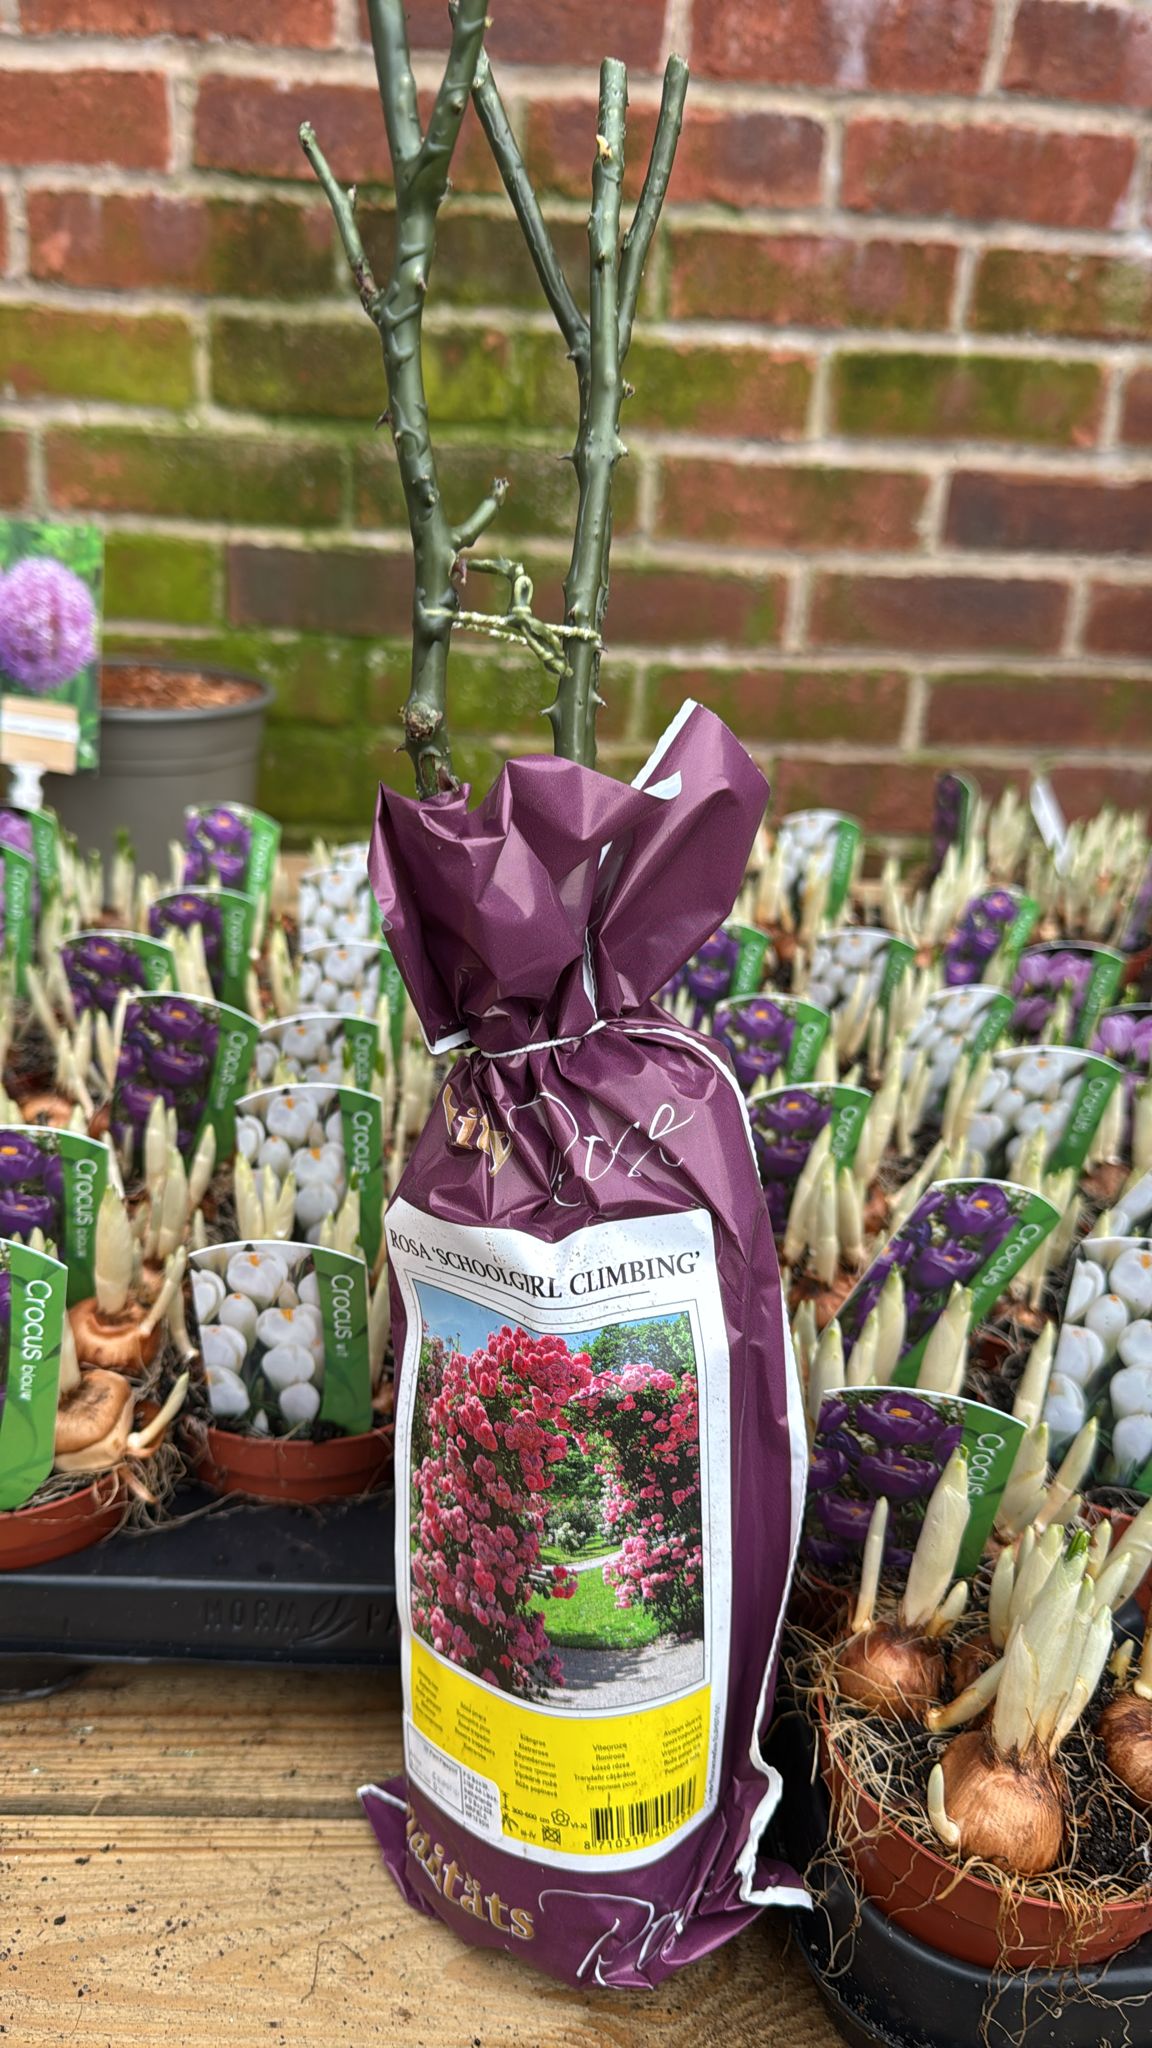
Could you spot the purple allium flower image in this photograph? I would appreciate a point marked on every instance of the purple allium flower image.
(98, 968)
(47, 624)
(218, 843)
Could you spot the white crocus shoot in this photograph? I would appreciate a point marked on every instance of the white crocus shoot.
(892, 1325)
(115, 1255)
(1027, 1485)
(1032, 1391)
(946, 1352)
(827, 1374)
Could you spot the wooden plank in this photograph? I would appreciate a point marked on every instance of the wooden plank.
(207, 1739)
(260, 1933)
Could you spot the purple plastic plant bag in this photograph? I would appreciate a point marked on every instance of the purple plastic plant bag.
(600, 1453)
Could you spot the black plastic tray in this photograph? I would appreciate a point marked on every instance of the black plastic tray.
(883, 1989)
(231, 1581)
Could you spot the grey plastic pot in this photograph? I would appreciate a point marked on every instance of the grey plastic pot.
(155, 762)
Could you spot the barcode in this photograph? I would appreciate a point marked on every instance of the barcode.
(642, 1819)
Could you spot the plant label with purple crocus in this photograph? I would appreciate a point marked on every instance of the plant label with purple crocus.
(282, 1331)
(17, 911)
(1073, 981)
(196, 1056)
(54, 1181)
(989, 937)
(857, 957)
(329, 1140)
(33, 1305)
(232, 846)
(227, 922)
(36, 833)
(771, 1038)
(954, 804)
(882, 1442)
(331, 1050)
(786, 1123)
(100, 965)
(50, 583)
(1056, 1089)
(820, 843)
(730, 963)
(970, 1233)
(956, 1024)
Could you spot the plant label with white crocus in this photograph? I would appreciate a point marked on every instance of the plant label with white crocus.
(33, 1303)
(1055, 1090)
(819, 848)
(54, 1181)
(956, 1254)
(1102, 1369)
(335, 906)
(282, 1330)
(311, 1156)
(333, 1051)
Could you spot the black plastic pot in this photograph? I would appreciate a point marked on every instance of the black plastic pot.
(155, 762)
(883, 1989)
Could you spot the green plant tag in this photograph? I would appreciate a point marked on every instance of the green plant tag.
(362, 1120)
(1085, 977)
(342, 1284)
(972, 1233)
(233, 846)
(43, 830)
(343, 1128)
(749, 969)
(362, 1049)
(100, 964)
(54, 1181)
(318, 1047)
(33, 1291)
(842, 956)
(392, 986)
(18, 923)
(1070, 1087)
(824, 842)
(227, 920)
(882, 1442)
(771, 1038)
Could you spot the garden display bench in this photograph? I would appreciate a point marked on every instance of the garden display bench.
(185, 1865)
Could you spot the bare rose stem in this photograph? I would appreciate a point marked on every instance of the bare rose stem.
(421, 163)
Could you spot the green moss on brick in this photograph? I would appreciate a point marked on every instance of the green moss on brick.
(1001, 398)
(149, 576)
(268, 250)
(238, 478)
(53, 352)
(694, 388)
(331, 369)
(1035, 291)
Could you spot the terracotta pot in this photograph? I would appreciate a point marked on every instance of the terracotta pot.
(283, 1468)
(957, 1913)
(37, 1535)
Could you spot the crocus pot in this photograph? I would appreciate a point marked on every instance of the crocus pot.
(58, 1528)
(287, 1469)
(155, 761)
(960, 1914)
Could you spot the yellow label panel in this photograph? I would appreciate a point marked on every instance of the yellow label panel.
(592, 1785)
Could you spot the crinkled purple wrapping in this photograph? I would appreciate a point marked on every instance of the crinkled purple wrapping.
(502, 920)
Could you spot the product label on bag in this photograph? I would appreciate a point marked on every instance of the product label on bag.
(562, 1444)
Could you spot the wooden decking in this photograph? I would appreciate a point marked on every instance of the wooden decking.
(183, 1865)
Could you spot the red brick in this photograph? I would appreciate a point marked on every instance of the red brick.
(789, 507)
(244, 481)
(1119, 619)
(336, 590)
(1081, 791)
(782, 704)
(726, 158)
(1064, 515)
(678, 608)
(888, 46)
(1137, 420)
(559, 33)
(809, 280)
(1068, 51)
(938, 613)
(306, 23)
(251, 126)
(13, 468)
(85, 117)
(269, 248)
(1042, 291)
(922, 169)
(887, 795)
(1048, 711)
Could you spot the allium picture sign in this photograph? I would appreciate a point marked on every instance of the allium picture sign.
(51, 578)
(974, 1234)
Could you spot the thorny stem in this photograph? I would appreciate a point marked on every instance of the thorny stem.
(598, 348)
(421, 164)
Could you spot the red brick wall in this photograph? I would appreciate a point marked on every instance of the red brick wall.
(889, 499)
